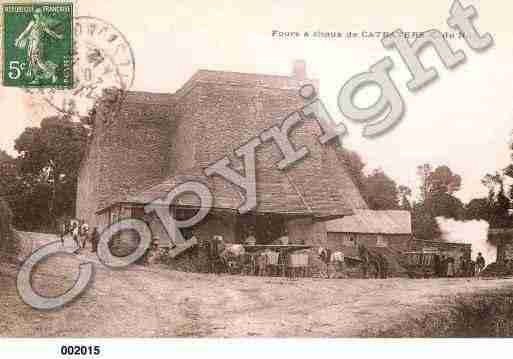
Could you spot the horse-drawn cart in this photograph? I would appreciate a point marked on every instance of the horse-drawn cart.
(419, 264)
(279, 259)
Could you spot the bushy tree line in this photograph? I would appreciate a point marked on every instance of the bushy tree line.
(40, 183)
(437, 195)
(377, 188)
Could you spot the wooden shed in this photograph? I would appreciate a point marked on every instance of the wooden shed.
(387, 229)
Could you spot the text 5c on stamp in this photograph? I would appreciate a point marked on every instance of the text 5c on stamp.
(38, 45)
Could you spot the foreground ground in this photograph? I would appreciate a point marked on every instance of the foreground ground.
(156, 302)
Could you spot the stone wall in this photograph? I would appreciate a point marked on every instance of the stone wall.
(126, 153)
(88, 182)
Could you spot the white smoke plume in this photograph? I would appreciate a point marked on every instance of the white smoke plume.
(474, 232)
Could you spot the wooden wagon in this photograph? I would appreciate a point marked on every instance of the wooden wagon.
(419, 264)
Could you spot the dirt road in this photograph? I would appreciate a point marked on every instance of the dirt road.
(157, 302)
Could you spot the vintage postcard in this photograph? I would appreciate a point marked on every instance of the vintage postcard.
(38, 45)
(254, 170)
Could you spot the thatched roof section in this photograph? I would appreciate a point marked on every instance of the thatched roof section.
(374, 222)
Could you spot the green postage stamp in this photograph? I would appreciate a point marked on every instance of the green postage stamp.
(38, 45)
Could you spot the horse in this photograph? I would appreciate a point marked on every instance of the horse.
(336, 259)
(83, 234)
(264, 261)
(214, 249)
(232, 257)
(261, 264)
(371, 264)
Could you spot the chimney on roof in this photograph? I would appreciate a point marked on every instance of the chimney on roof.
(299, 70)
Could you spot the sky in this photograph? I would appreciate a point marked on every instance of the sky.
(463, 120)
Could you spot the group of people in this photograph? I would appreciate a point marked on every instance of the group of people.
(80, 234)
(446, 266)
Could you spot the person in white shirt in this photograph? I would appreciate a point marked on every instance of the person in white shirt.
(84, 232)
(75, 232)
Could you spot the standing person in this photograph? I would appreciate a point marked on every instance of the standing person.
(216, 246)
(363, 253)
(443, 266)
(95, 238)
(480, 264)
(450, 267)
(384, 266)
(509, 266)
(84, 232)
(472, 268)
(436, 265)
(63, 230)
(325, 256)
(151, 254)
(463, 267)
(75, 231)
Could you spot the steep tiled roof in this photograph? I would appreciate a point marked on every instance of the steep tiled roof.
(368, 221)
(276, 193)
(216, 112)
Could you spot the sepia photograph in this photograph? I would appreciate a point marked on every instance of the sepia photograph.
(253, 171)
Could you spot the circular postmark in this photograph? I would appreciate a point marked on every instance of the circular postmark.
(102, 59)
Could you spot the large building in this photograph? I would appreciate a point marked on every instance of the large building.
(145, 144)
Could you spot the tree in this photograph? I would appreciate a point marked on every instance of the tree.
(380, 191)
(437, 188)
(8, 174)
(404, 197)
(439, 180)
(48, 163)
(443, 180)
(442, 204)
(478, 208)
(436, 200)
(424, 223)
(499, 203)
(424, 171)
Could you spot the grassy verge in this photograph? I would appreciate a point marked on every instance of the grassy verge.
(487, 314)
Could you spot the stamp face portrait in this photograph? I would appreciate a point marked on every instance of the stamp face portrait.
(38, 45)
